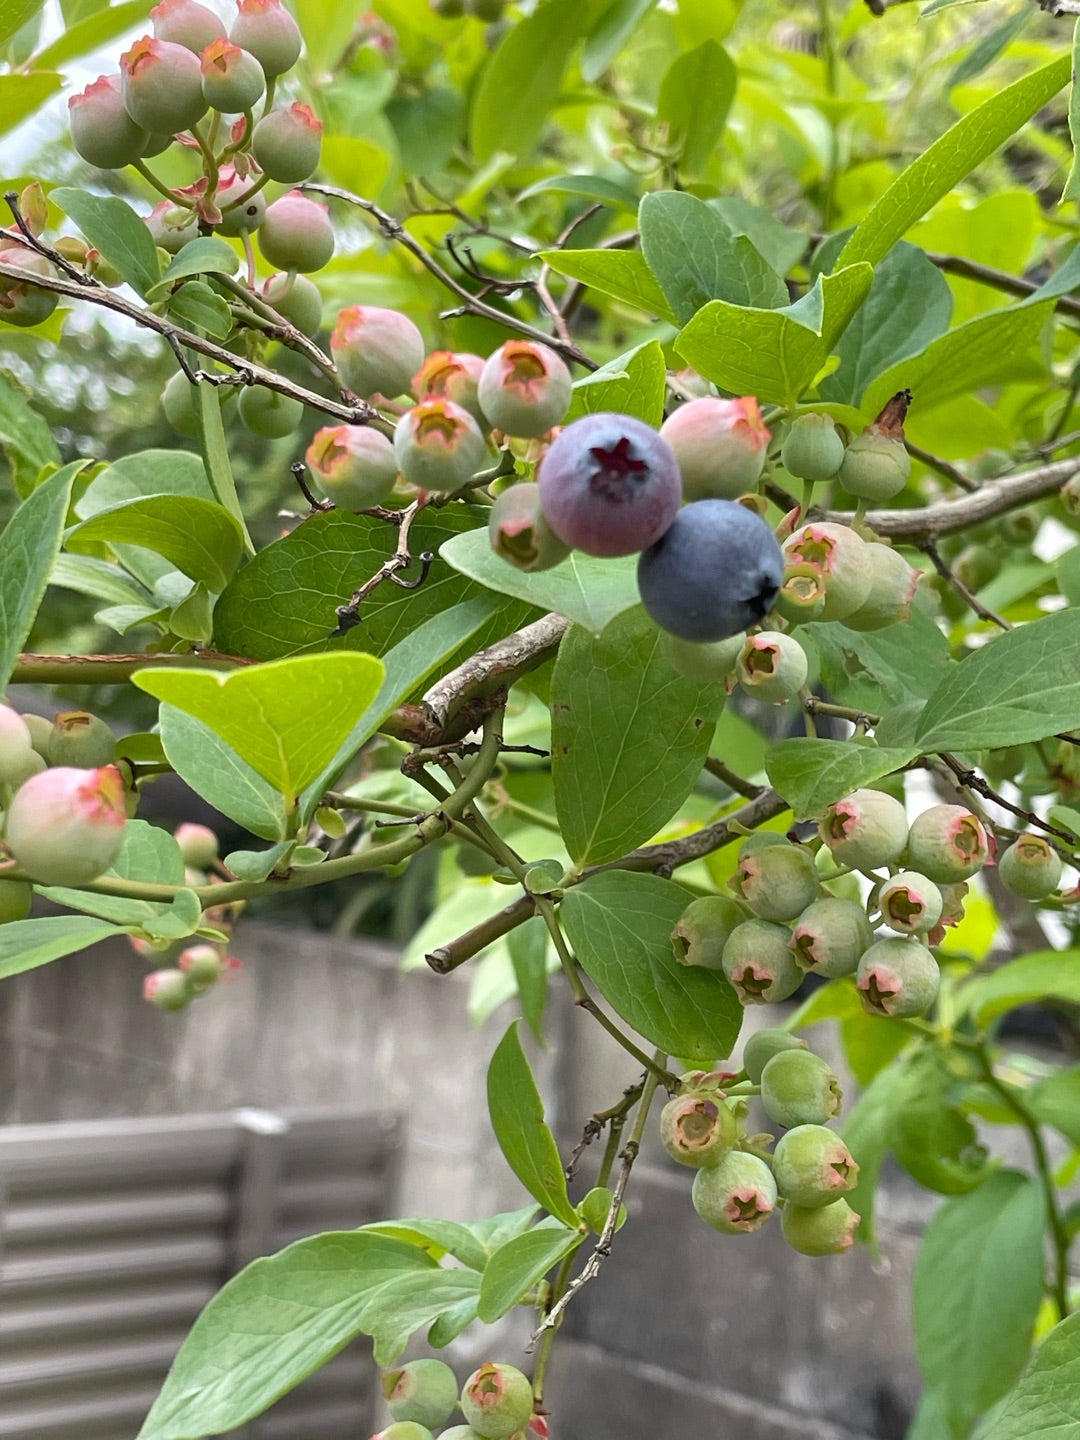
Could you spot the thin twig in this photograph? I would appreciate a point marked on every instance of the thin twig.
(349, 613)
(930, 549)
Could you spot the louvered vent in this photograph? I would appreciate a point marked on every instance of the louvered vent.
(114, 1234)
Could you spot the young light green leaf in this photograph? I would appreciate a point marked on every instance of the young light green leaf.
(632, 384)
(14, 14)
(1045, 1405)
(286, 719)
(207, 255)
(811, 774)
(517, 1117)
(695, 97)
(1022, 685)
(113, 227)
(1042, 975)
(99, 579)
(215, 454)
(199, 537)
(780, 246)
(622, 274)
(586, 187)
(147, 472)
(528, 945)
(620, 925)
(438, 1238)
(951, 157)
(529, 65)
(215, 771)
(519, 1265)
(616, 24)
(628, 736)
(22, 95)
(90, 34)
(28, 548)
(26, 944)
(978, 1249)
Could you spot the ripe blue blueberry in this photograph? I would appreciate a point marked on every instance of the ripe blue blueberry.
(715, 572)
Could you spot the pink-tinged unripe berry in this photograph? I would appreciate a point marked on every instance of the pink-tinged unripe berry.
(168, 989)
(799, 1088)
(520, 533)
(772, 667)
(352, 465)
(296, 233)
(198, 844)
(376, 351)
(813, 1166)
(524, 389)
(697, 1130)
(454, 374)
(898, 978)
(763, 1045)
(287, 143)
(31, 765)
(703, 929)
(829, 937)
(778, 882)
(610, 486)
(186, 23)
(813, 449)
(910, 903)
(802, 595)
(21, 302)
(827, 1231)
(736, 1196)
(876, 464)
(423, 1391)
(162, 85)
(439, 445)
(65, 826)
(16, 897)
(204, 966)
(40, 732)
(242, 207)
(893, 583)
(866, 829)
(80, 739)
(947, 843)
(720, 446)
(102, 131)
(842, 561)
(271, 34)
(1030, 867)
(297, 300)
(232, 79)
(171, 226)
(267, 413)
(497, 1401)
(16, 744)
(714, 661)
(758, 963)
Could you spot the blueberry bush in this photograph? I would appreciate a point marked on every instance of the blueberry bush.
(626, 449)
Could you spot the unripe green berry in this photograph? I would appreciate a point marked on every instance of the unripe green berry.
(910, 903)
(497, 1401)
(65, 826)
(520, 533)
(455, 375)
(758, 963)
(813, 1166)
(778, 883)
(524, 389)
(15, 900)
(242, 207)
(296, 233)
(460, 1432)
(827, 1231)
(829, 937)
(171, 226)
(204, 965)
(947, 843)
(297, 300)
(976, 566)
(424, 1391)
(799, 1088)
(802, 595)
(812, 449)
(439, 446)
(23, 303)
(178, 403)
(232, 80)
(703, 929)
(376, 351)
(266, 412)
(713, 660)
(763, 1045)
(161, 83)
(697, 1130)
(875, 466)
(772, 667)
(353, 465)
(102, 131)
(898, 978)
(16, 745)
(198, 845)
(893, 583)
(168, 989)
(30, 765)
(720, 446)
(40, 732)
(81, 739)
(842, 561)
(404, 1430)
(1030, 867)
(736, 1196)
(865, 829)
(187, 23)
(287, 143)
(271, 34)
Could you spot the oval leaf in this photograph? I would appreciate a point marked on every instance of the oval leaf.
(199, 537)
(517, 1117)
(519, 1265)
(811, 774)
(30, 544)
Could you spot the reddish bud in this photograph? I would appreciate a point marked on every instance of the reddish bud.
(353, 465)
(720, 446)
(65, 826)
(162, 85)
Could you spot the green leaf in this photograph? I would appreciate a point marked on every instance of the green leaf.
(89, 34)
(215, 453)
(148, 854)
(628, 736)
(616, 25)
(199, 308)
(588, 591)
(867, 1130)
(954, 155)
(97, 578)
(585, 187)
(620, 925)
(25, 437)
(631, 384)
(28, 549)
(988, 48)
(215, 771)
(871, 1042)
(622, 274)
(696, 258)
(932, 1138)
(899, 664)
(286, 718)
(519, 1265)
(207, 255)
(148, 472)
(1045, 1405)
(284, 600)
(1022, 685)
(22, 95)
(978, 1287)
(285, 1315)
(992, 349)
(113, 227)
(438, 1238)
(1072, 182)
(1056, 1101)
(528, 66)
(908, 306)
(14, 14)
(811, 774)
(780, 246)
(26, 944)
(1042, 975)
(517, 1117)
(773, 354)
(199, 537)
(695, 97)
(528, 947)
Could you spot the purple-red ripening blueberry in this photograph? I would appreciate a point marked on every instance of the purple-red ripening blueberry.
(609, 485)
(376, 351)
(269, 32)
(102, 131)
(162, 86)
(231, 78)
(716, 571)
(524, 389)
(286, 143)
(186, 23)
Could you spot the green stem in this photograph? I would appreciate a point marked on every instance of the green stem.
(160, 186)
(543, 1354)
(209, 160)
(526, 812)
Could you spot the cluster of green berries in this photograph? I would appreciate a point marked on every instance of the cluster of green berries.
(496, 1401)
(873, 466)
(739, 1181)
